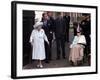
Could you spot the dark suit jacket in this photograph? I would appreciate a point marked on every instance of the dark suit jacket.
(86, 27)
(60, 27)
(48, 29)
(67, 21)
(52, 22)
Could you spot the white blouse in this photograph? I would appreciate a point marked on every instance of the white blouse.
(78, 39)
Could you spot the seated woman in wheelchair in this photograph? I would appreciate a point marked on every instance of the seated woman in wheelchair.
(76, 48)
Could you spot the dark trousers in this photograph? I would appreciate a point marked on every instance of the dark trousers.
(60, 43)
(67, 35)
(48, 50)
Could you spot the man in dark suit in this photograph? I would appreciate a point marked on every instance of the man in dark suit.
(52, 27)
(47, 26)
(52, 21)
(60, 30)
(86, 27)
(67, 22)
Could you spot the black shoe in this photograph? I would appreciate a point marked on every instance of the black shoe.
(71, 63)
(47, 61)
(64, 57)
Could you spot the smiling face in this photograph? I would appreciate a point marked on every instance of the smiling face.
(39, 28)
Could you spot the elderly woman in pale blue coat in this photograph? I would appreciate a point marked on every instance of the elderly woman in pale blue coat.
(37, 40)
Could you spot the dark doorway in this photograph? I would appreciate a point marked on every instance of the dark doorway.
(28, 22)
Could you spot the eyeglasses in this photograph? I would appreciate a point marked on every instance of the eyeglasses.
(78, 32)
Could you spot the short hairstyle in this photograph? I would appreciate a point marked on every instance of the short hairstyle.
(43, 14)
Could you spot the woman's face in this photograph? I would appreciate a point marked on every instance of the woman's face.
(39, 27)
(78, 34)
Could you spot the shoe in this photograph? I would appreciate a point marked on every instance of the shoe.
(47, 62)
(38, 66)
(71, 63)
(41, 66)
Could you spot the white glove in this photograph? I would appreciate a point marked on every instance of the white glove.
(48, 42)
